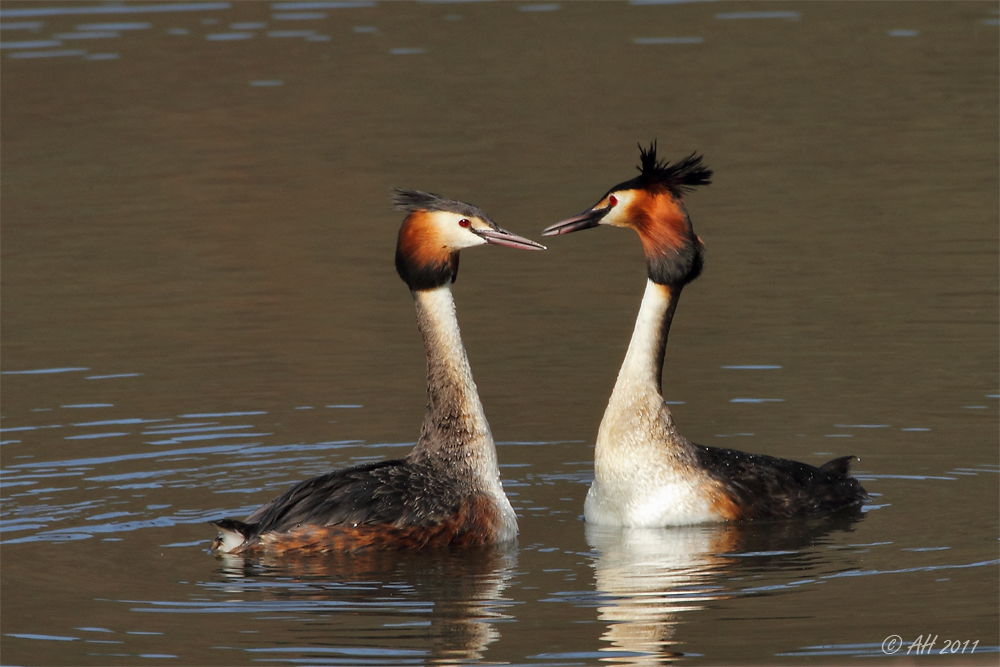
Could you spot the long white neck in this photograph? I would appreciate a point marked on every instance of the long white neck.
(646, 474)
(455, 425)
(643, 365)
(636, 417)
(642, 369)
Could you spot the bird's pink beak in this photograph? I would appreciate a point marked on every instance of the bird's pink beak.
(586, 220)
(503, 237)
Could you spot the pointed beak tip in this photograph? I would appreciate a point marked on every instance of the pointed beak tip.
(560, 228)
(502, 237)
(533, 246)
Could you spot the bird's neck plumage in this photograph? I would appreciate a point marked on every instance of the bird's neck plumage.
(455, 426)
(636, 417)
(646, 474)
(643, 365)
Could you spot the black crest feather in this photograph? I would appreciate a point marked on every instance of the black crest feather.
(679, 177)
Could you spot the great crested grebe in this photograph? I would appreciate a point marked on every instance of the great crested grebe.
(447, 491)
(646, 474)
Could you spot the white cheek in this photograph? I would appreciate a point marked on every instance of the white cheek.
(458, 237)
(612, 218)
(452, 234)
(617, 216)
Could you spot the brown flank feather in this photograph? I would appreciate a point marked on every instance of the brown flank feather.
(475, 524)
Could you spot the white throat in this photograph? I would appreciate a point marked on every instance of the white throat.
(636, 417)
(644, 360)
(643, 468)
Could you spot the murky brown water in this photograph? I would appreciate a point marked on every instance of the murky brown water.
(197, 242)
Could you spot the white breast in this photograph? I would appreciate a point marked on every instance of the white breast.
(648, 503)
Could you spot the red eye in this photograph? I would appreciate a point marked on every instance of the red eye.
(612, 200)
(464, 222)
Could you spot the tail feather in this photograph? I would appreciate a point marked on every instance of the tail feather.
(844, 489)
(839, 467)
(232, 535)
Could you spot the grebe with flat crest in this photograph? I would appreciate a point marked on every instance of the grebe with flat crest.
(447, 491)
(646, 474)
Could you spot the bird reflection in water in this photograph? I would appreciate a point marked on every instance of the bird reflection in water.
(446, 602)
(652, 576)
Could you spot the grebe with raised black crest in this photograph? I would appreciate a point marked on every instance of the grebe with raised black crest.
(646, 474)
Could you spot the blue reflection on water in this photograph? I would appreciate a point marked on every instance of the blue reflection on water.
(228, 36)
(114, 9)
(298, 16)
(36, 44)
(21, 25)
(42, 371)
(319, 4)
(114, 26)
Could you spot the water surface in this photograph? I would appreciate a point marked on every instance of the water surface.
(200, 308)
